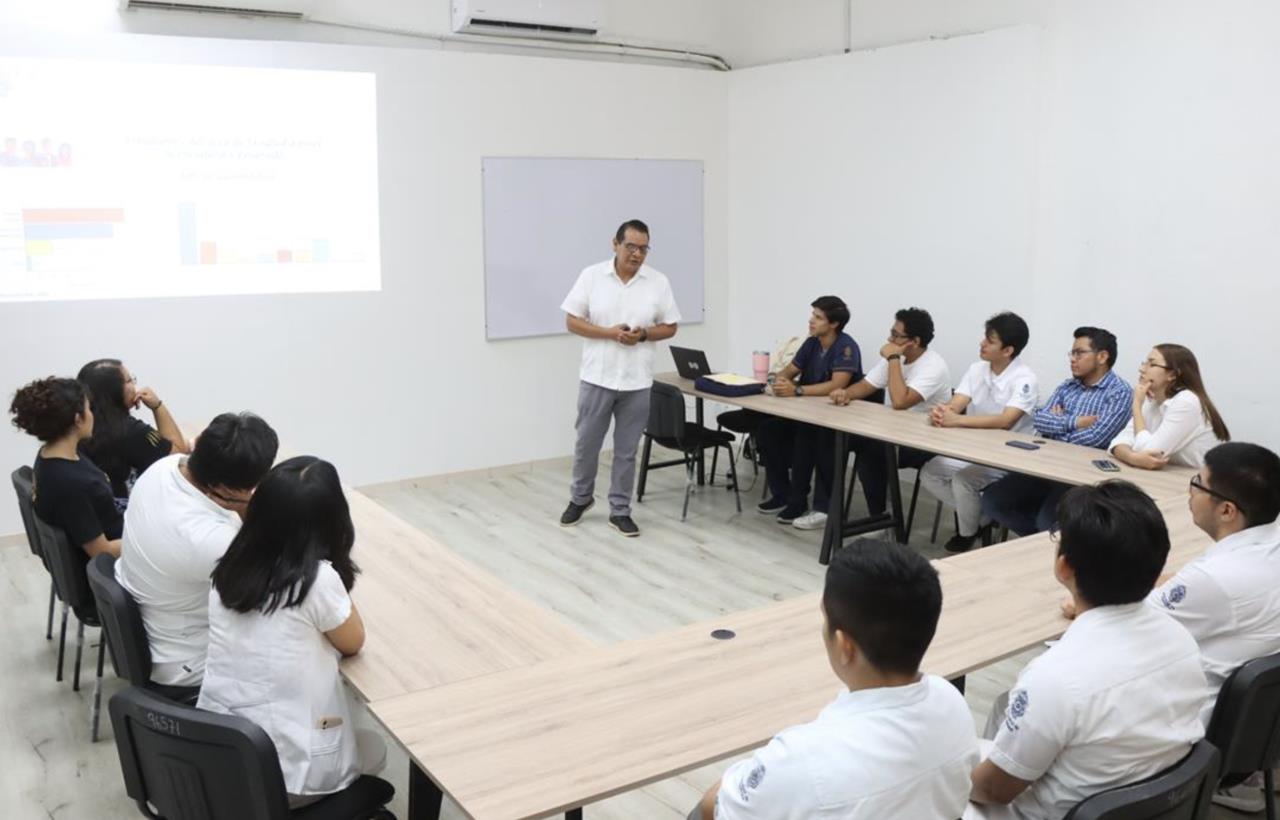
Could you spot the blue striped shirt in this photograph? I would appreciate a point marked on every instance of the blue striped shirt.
(1111, 400)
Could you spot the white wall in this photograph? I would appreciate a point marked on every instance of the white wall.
(401, 382)
(1119, 170)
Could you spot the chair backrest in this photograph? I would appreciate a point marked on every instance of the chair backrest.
(666, 412)
(1246, 719)
(23, 484)
(191, 764)
(66, 562)
(122, 620)
(1181, 792)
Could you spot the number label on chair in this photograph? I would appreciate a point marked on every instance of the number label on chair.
(163, 723)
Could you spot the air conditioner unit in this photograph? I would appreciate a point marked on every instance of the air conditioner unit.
(279, 9)
(527, 18)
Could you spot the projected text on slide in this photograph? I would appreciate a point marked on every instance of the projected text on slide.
(125, 180)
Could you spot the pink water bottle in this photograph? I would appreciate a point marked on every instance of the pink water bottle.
(760, 364)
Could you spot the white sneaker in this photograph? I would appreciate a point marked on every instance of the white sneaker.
(811, 521)
(1241, 797)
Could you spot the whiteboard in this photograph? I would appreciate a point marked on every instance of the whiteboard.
(545, 219)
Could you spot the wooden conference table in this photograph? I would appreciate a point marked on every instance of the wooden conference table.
(1053, 460)
(551, 736)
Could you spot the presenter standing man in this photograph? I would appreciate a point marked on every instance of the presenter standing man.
(620, 307)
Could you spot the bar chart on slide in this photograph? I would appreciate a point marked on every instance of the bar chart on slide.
(220, 180)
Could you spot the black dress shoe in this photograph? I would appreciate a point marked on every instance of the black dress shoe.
(624, 525)
(573, 513)
(960, 543)
(771, 506)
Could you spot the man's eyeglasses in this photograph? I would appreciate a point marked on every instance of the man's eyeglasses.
(1197, 484)
(895, 336)
(643, 250)
(1077, 353)
(227, 499)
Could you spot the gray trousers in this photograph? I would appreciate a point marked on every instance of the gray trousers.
(629, 411)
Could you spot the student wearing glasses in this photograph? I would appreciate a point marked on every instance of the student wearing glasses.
(1227, 597)
(183, 513)
(620, 307)
(1089, 409)
(124, 446)
(1174, 422)
(913, 378)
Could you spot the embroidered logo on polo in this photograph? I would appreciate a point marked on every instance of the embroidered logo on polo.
(1026, 389)
(848, 352)
(753, 781)
(1174, 596)
(1017, 708)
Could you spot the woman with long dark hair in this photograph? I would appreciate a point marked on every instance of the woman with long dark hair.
(1174, 421)
(70, 491)
(280, 616)
(122, 445)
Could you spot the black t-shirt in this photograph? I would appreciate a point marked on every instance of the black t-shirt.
(76, 496)
(139, 446)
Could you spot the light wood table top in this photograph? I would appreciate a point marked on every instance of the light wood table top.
(432, 617)
(548, 737)
(1055, 460)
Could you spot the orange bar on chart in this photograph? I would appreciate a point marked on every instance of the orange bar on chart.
(47, 215)
(208, 253)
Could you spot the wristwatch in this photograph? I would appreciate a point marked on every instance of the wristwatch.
(644, 334)
(893, 356)
(799, 389)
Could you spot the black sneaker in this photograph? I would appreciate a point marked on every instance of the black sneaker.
(960, 543)
(574, 512)
(771, 506)
(790, 514)
(624, 525)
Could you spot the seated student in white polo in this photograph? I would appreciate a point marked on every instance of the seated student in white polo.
(1118, 698)
(1174, 421)
(914, 378)
(1227, 598)
(183, 513)
(997, 392)
(897, 743)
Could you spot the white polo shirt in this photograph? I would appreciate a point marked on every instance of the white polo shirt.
(281, 672)
(901, 751)
(173, 536)
(990, 394)
(928, 375)
(1115, 700)
(601, 298)
(1176, 427)
(1229, 600)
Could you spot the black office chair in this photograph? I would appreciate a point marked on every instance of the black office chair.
(22, 486)
(182, 763)
(125, 632)
(744, 423)
(67, 565)
(1181, 792)
(1246, 723)
(668, 427)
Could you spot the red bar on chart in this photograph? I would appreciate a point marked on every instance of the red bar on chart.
(284, 256)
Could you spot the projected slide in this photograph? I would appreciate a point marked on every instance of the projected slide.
(126, 180)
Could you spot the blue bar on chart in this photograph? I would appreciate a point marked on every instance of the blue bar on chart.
(320, 250)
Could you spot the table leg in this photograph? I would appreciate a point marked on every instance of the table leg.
(425, 796)
(573, 814)
(702, 459)
(895, 494)
(833, 534)
(958, 683)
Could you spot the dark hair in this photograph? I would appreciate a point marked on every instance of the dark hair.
(917, 324)
(1249, 475)
(234, 451)
(47, 408)
(104, 379)
(633, 224)
(1115, 539)
(834, 308)
(1101, 339)
(886, 598)
(297, 518)
(1185, 369)
(1010, 329)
